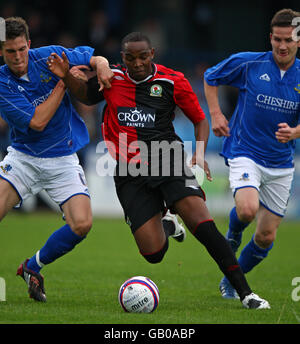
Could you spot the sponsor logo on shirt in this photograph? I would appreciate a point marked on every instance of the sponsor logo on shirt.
(277, 104)
(41, 99)
(265, 77)
(141, 117)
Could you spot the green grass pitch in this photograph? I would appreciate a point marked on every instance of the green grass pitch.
(82, 286)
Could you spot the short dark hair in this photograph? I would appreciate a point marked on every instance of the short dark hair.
(15, 27)
(135, 37)
(284, 18)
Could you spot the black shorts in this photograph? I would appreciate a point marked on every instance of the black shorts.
(143, 197)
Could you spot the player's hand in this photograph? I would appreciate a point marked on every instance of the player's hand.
(285, 133)
(207, 171)
(203, 164)
(219, 125)
(105, 76)
(78, 72)
(104, 73)
(61, 86)
(58, 65)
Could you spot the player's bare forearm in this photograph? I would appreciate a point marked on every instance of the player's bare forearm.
(98, 62)
(297, 132)
(104, 73)
(201, 135)
(45, 111)
(202, 132)
(211, 94)
(77, 87)
(219, 122)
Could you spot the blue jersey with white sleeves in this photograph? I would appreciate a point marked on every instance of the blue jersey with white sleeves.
(265, 99)
(66, 132)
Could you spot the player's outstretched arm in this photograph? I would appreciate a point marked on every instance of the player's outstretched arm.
(218, 120)
(201, 136)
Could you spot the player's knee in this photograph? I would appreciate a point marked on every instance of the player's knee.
(82, 227)
(264, 240)
(158, 256)
(246, 213)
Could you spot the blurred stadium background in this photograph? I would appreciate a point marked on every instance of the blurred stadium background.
(189, 35)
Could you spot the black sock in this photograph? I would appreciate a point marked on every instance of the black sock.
(219, 249)
(158, 256)
(169, 227)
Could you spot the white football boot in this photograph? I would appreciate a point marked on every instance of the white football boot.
(253, 301)
(179, 233)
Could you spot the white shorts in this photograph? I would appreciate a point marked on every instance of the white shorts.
(273, 184)
(60, 177)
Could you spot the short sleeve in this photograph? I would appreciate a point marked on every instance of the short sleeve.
(231, 71)
(186, 99)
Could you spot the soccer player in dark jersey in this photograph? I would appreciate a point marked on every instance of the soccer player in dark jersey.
(139, 112)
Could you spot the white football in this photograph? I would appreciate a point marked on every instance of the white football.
(139, 295)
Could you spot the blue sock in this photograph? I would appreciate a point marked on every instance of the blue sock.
(59, 243)
(235, 224)
(252, 255)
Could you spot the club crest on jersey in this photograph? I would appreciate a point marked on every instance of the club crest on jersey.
(156, 90)
(45, 78)
(6, 168)
(297, 89)
(245, 176)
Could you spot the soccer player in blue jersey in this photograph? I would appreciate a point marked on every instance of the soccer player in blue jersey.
(46, 132)
(259, 139)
